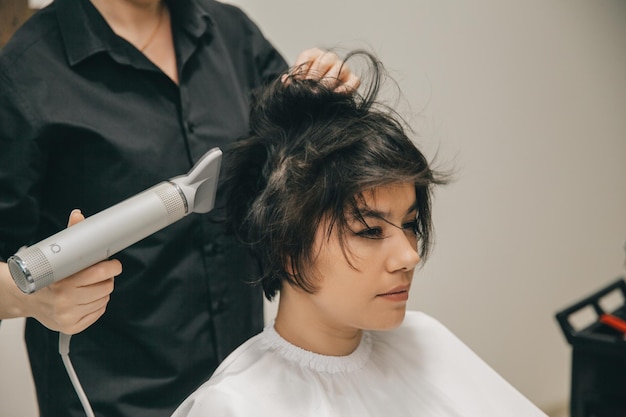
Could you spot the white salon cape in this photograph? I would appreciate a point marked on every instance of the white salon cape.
(419, 369)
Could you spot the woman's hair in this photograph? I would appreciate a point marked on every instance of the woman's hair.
(310, 155)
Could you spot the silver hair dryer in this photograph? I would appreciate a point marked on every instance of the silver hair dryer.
(99, 236)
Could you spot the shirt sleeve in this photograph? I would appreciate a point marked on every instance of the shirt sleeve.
(21, 163)
(267, 62)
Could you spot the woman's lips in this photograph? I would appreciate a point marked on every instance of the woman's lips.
(398, 294)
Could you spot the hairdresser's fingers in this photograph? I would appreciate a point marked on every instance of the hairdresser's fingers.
(318, 64)
(331, 77)
(349, 84)
(73, 316)
(321, 65)
(341, 78)
(85, 315)
(348, 80)
(93, 274)
(60, 308)
(86, 295)
(303, 63)
(305, 59)
(75, 217)
(314, 63)
(88, 318)
(64, 303)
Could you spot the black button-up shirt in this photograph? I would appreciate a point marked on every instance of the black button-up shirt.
(86, 120)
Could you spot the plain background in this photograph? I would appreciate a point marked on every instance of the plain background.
(526, 101)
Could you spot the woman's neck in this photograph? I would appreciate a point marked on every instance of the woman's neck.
(132, 20)
(296, 323)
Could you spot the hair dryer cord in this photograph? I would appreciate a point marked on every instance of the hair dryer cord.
(64, 351)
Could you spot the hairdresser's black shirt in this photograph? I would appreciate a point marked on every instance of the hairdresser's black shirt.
(86, 121)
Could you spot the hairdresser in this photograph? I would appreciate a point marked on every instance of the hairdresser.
(100, 100)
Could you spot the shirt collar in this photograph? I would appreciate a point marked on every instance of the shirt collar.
(191, 16)
(86, 33)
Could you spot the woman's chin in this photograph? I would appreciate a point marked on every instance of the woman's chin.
(389, 320)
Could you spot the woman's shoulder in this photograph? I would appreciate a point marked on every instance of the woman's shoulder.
(248, 354)
(230, 382)
(445, 361)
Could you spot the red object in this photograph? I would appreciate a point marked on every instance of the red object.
(614, 321)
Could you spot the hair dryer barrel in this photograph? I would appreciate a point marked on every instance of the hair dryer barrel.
(99, 236)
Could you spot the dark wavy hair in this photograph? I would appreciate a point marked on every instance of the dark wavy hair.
(310, 155)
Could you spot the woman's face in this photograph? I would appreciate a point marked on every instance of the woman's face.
(373, 292)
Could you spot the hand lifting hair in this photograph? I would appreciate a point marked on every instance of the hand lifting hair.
(333, 198)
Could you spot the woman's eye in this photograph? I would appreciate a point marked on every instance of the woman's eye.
(371, 233)
(412, 227)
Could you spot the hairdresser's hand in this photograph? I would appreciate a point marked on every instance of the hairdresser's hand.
(76, 302)
(326, 66)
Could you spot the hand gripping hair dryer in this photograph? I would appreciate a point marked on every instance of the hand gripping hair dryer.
(111, 230)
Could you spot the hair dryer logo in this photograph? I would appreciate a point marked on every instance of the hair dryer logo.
(55, 248)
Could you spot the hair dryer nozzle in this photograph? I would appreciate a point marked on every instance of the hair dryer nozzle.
(200, 184)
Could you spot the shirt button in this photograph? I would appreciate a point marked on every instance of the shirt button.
(214, 249)
(219, 306)
(190, 127)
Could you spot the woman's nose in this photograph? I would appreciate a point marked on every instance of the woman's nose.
(403, 254)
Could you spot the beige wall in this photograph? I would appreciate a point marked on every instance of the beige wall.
(527, 100)
(17, 393)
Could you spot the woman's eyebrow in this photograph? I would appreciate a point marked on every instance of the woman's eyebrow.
(383, 215)
(413, 207)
